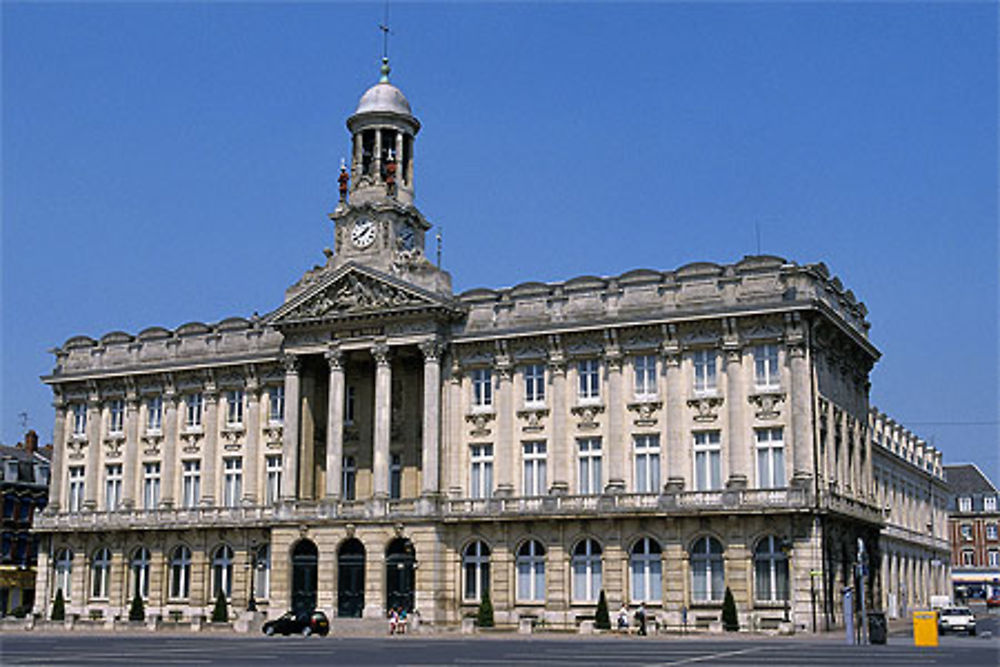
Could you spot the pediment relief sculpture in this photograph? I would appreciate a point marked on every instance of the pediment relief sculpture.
(354, 293)
(766, 404)
(706, 408)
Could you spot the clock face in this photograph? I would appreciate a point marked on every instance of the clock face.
(407, 237)
(363, 233)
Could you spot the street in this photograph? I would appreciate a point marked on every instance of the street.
(160, 649)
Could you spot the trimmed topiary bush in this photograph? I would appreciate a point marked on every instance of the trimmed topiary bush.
(58, 607)
(221, 612)
(137, 612)
(484, 617)
(602, 620)
(730, 621)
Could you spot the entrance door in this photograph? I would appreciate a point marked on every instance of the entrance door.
(351, 579)
(399, 580)
(304, 560)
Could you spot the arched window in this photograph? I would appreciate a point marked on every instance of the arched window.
(707, 573)
(262, 571)
(646, 566)
(531, 572)
(100, 573)
(180, 572)
(222, 571)
(139, 566)
(476, 566)
(770, 568)
(586, 571)
(64, 570)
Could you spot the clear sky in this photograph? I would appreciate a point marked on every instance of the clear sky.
(164, 163)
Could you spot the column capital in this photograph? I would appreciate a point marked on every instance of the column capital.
(292, 364)
(431, 349)
(334, 357)
(614, 358)
(380, 351)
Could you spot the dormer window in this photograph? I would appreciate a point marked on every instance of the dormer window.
(989, 503)
(965, 504)
(10, 470)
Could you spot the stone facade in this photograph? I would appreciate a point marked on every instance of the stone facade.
(378, 440)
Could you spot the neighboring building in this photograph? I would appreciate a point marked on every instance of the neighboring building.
(911, 489)
(973, 524)
(378, 441)
(24, 490)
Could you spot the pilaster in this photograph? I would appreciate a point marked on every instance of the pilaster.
(290, 430)
(335, 422)
(736, 437)
(617, 446)
(560, 458)
(210, 456)
(169, 447)
(431, 443)
(505, 455)
(251, 457)
(383, 413)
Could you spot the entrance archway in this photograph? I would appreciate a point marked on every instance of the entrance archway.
(304, 562)
(351, 579)
(399, 574)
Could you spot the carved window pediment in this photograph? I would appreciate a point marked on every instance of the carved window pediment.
(706, 408)
(532, 418)
(647, 412)
(766, 404)
(588, 416)
(480, 421)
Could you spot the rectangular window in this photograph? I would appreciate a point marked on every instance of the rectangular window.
(765, 367)
(273, 491)
(991, 531)
(589, 372)
(151, 486)
(534, 459)
(112, 486)
(704, 372)
(770, 458)
(192, 484)
(994, 558)
(534, 384)
(647, 463)
(707, 461)
(79, 419)
(589, 478)
(234, 408)
(349, 472)
(116, 416)
(989, 503)
(482, 388)
(76, 477)
(968, 557)
(395, 476)
(232, 481)
(481, 471)
(276, 404)
(965, 504)
(966, 531)
(645, 376)
(194, 403)
(154, 415)
(349, 399)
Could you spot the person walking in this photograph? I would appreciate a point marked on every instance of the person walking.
(641, 617)
(623, 618)
(393, 621)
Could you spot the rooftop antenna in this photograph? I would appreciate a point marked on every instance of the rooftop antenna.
(23, 418)
(438, 237)
(384, 27)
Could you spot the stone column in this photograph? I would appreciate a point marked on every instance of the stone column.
(617, 446)
(377, 157)
(505, 455)
(675, 444)
(334, 422)
(383, 410)
(169, 482)
(561, 459)
(736, 437)
(210, 455)
(431, 445)
(455, 422)
(58, 465)
(251, 463)
(290, 430)
(132, 468)
(802, 445)
(93, 447)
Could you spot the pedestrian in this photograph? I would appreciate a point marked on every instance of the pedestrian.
(393, 621)
(623, 618)
(641, 617)
(401, 626)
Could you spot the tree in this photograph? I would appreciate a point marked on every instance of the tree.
(137, 612)
(602, 620)
(58, 607)
(730, 621)
(484, 618)
(221, 612)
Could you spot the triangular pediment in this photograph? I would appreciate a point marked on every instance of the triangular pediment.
(354, 291)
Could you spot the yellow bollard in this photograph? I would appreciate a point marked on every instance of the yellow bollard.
(925, 628)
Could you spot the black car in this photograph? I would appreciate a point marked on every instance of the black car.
(304, 623)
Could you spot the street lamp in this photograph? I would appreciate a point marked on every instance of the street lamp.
(786, 550)
(253, 565)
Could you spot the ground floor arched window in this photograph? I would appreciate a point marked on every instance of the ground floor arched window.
(64, 571)
(180, 572)
(707, 570)
(139, 566)
(646, 569)
(222, 571)
(770, 568)
(530, 566)
(262, 571)
(100, 573)
(476, 571)
(587, 571)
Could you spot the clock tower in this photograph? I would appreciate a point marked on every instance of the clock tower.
(375, 222)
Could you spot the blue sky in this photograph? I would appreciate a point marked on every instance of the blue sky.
(164, 163)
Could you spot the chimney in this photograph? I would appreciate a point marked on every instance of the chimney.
(31, 441)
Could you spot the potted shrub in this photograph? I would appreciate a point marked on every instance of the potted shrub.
(58, 607)
(137, 612)
(220, 614)
(602, 620)
(484, 617)
(730, 621)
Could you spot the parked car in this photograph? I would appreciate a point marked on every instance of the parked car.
(993, 601)
(304, 623)
(957, 619)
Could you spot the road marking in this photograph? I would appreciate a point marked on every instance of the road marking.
(711, 656)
